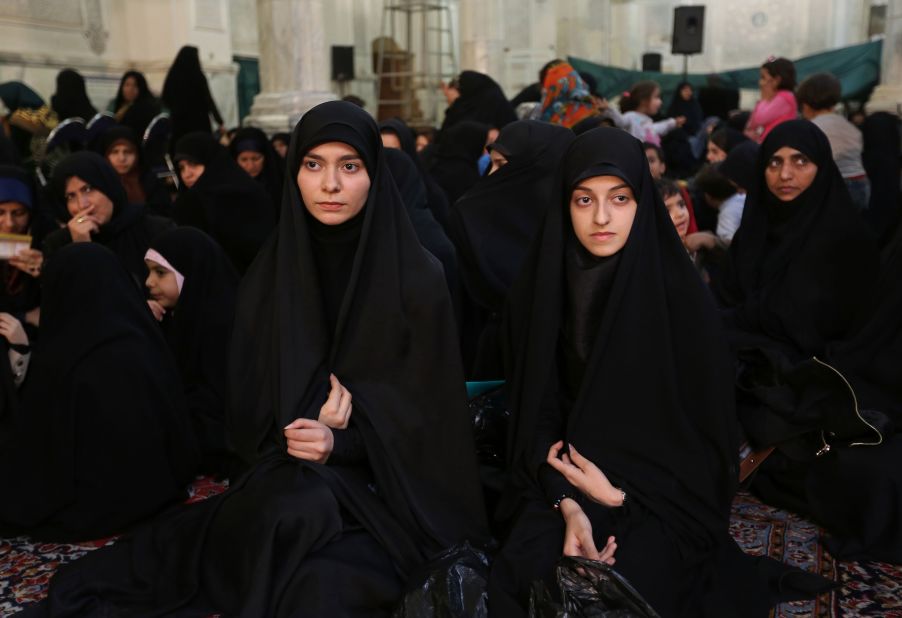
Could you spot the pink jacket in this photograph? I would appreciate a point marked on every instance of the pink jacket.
(768, 114)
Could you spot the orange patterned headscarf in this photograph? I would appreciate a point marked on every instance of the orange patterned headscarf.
(565, 96)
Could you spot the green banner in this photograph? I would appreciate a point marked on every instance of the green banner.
(857, 67)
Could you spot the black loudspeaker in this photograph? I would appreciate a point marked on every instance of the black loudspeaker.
(342, 63)
(688, 29)
(651, 62)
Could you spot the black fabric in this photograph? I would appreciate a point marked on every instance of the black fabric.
(691, 109)
(129, 231)
(71, 99)
(654, 409)
(454, 164)
(739, 166)
(103, 407)
(587, 124)
(882, 159)
(530, 94)
(494, 224)
(186, 94)
(481, 100)
(225, 202)
(198, 332)
(157, 199)
(137, 114)
(271, 177)
(413, 192)
(436, 199)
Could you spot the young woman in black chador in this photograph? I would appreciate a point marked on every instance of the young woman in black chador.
(344, 499)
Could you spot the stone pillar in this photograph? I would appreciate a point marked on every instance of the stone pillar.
(482, 37)
(887, 97)
(294, 62)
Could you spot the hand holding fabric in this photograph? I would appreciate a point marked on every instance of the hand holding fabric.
(29, 261)
(157, 310)
(578, 540)
(584, 475)
(336, 412)
(11, 328)
(309, 440)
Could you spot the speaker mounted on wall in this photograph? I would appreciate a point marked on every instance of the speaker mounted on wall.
(342, 63)
(688, 30)
(651, 62)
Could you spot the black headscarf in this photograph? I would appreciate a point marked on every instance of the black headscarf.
(739, 166)
(137, 114)
(271, 176)
(798, 270)
(140, 179)
(454, 164)
(129, 231)
(654, 407)
(393, 347)
(225, 202)
(198, 331)
(71, 99)
(481, 100)
(882, 158)
(727, 138)
(102, 404)
(186, 94)
(691, 109)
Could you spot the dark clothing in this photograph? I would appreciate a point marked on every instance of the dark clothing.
(186, 94)
(454, 165)
(292, 537)
(272, 176)
(882, 160)
(481, 100)
(71, 99)
(101, 404)
(691, 109)
(141, 184)
(137, 114)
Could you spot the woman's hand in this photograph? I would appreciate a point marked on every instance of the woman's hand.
(336, 412)
(700, 240)
(157, 309)
(578, 540)
(29, 261)
(82, 225)
(584, 475)
(309, 440)
(11, 328)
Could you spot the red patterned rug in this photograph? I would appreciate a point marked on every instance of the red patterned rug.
(867, 588)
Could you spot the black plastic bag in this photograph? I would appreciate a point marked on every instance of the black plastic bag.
(453, 585)
(589, 589)
(490, 416)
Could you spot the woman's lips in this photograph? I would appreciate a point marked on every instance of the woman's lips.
(330, 205)
(602, 236)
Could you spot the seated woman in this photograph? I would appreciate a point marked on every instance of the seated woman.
(134, 105)
(494, 224)
(121, 147)
(624, 439)
(20, 292)
(220, 199)
(803, 271)
(101, 404)
(254, 153)
(97, 210)
(345, 499)
(192, 287)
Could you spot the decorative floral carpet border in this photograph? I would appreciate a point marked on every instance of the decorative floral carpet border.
(867, 588)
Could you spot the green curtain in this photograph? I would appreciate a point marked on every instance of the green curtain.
(857, 67)
(248, 84)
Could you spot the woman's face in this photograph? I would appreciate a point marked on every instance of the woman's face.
(602, 209)
(122, 157)
(281, 147)
(789, 173)
(422, 142)
(498, 161)
(130, 89)
(14, 218)
(390, 140)
(678, 212)
(686, 92)
(190, 172)
(715, 154)
(333, 182)
(82, 199)
(768, 83)
(251, 162)
(161, 284)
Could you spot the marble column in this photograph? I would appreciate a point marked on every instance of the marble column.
(294, 62)
(887, 97)
(482, 37)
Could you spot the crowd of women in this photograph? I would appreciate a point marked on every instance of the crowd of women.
(676, 305)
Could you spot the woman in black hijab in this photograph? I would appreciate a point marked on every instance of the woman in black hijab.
(480, 99)
(617, 353)
(396, 134)
(685, 104)
(255, 155)
(192, 287)
(71, 99)
(455, 159)
(221, 199)
(20, 291)
(95, 206)
(494, 224)
(186, 94)
(121, 147)
(134, 105)
(102, 406)
(342, 301)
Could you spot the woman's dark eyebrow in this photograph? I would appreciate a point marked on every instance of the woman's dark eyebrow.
(347, 157)
(618, 187)
(582, 188)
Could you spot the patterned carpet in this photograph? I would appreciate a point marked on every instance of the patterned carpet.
(867, 589)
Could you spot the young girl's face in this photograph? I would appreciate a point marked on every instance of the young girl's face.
(653, 104)
(602, 209)
(162, 285)
(678, 212)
